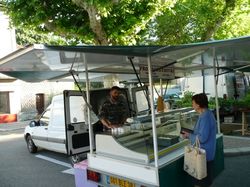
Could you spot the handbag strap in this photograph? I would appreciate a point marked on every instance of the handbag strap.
(197, 142)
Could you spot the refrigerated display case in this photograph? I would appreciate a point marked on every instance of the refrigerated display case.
(124, 157)
(134, 140)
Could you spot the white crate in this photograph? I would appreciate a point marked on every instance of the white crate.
(229, 119)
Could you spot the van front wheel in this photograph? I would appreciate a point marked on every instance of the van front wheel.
(30, 145)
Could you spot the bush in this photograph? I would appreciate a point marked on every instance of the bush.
(228, 104)
(186, 101)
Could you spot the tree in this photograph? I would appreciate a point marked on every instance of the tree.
(201, 20)
(237, 23)
(100, 22)
(127, 22)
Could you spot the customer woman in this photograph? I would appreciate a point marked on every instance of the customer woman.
(205, 130)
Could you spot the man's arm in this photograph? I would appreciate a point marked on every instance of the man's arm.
(106, 122)
(102, 116)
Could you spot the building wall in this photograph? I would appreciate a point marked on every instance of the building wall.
(229, 84)
(22, 95)
(195, 84)
(28, 93)
(7, 36)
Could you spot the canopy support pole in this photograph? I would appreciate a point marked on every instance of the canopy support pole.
(91, 134)
(161, 88)
(216, 93)
(152, 111)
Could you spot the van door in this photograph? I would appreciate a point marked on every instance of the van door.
(77, 136)
(56, 128)
(40, 132)
(140, 100)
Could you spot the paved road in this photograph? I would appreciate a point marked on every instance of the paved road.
(236, 173)
(19, 168)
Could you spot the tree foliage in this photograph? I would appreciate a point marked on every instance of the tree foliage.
(202, 20)
(127, 22)
(237, 23)
(100, 22)
(186, 101)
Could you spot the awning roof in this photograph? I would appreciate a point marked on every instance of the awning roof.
(42, 62)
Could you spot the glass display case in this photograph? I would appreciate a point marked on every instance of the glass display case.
(188, 119)
(127, 154)
(134, 141)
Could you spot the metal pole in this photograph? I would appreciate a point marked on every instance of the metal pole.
(152, 111)
(203, 76)
(216, 94)
(91, 134)
(161, 89)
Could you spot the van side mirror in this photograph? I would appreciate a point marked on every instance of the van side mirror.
(33, 124)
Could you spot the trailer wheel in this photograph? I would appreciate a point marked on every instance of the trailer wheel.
(77, 158)
(74, 159)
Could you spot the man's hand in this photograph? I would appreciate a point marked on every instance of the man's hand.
(106, 123)
(184, 134)
(110, 125)
(115, 125)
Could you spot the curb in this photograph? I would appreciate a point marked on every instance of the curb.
(6, 127)
(13, 129)
(237, 151)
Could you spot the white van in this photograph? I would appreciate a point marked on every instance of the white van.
(48, 132)
(66, 117)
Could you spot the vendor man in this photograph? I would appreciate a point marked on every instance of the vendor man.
(114, 111)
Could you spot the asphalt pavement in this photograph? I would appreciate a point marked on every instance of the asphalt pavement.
(233, 145)
(236, 150)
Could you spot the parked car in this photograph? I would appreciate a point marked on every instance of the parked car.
(174, 96)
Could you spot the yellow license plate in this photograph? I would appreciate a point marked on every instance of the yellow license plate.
(120, 182)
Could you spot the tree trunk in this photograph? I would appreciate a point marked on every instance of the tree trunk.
(94, 21)
(212, 28)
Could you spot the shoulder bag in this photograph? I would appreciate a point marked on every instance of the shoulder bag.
(195, 163)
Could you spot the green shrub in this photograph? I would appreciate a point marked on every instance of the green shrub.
(186, 101)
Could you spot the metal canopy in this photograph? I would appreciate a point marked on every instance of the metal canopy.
(42, 62)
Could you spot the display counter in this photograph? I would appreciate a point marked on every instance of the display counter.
(134, 142)
(126, 155)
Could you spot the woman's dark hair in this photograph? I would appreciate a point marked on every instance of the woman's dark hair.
(201, 99)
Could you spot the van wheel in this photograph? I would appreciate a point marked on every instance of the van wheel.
(30, 145)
